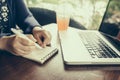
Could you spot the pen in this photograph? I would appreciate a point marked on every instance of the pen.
(17, 32)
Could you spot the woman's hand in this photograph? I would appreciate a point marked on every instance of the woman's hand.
(18, 45)
(42, 36)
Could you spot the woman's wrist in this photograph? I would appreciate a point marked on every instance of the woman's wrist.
(3, 42)
(36, 28)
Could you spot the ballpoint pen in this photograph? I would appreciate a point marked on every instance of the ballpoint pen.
(17, 32)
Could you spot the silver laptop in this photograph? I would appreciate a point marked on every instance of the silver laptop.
(90, 47)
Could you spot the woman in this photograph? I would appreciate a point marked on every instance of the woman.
(12, 13)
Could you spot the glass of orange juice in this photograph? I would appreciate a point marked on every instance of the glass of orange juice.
(62, 22)
(62, 19)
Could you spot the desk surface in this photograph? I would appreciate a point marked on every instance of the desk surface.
(18, 68)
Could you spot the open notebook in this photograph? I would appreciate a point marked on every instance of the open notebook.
(41, 55)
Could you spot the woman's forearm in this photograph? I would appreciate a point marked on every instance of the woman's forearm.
(3, 42)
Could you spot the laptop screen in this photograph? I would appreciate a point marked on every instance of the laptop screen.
(111, 19)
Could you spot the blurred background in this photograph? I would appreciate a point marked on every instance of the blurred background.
(87, 12)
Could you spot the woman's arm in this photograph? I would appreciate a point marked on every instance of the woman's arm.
(3, 42)
(24, 18)
(28, 23)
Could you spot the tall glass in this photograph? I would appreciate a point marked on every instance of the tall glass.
(62, 18)
(62, 22)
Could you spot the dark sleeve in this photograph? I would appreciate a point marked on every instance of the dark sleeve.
(24, 18)
(5, 34)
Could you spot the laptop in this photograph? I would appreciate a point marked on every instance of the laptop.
(90, 47)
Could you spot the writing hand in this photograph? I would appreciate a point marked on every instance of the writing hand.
(19, 45)
(42, 36)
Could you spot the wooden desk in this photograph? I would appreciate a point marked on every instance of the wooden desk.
(18, 68)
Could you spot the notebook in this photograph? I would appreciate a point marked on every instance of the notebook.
(90, 47)
(41, 55)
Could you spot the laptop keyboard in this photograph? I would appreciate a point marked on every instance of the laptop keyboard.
(97, 47)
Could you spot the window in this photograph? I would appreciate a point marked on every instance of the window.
(87, 12)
